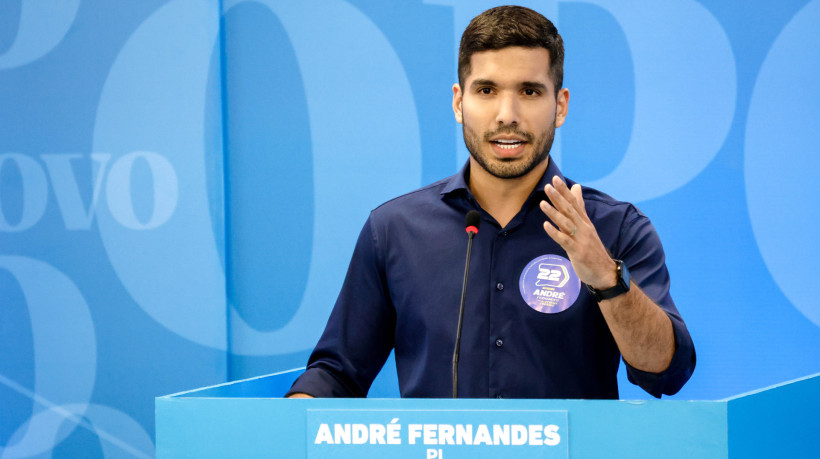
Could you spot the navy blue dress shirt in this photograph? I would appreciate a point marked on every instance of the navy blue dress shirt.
(403, 288)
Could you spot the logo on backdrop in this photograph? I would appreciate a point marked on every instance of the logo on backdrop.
(549, 284)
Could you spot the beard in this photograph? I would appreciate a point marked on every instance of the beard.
(509, 168)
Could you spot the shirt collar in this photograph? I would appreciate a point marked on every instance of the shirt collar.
(458, 182)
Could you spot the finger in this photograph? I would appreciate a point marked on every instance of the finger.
(578, 194)
(560, 238)
(562, 204)
(559, 220)
(565, 192)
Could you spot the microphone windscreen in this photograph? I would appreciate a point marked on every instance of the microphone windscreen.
(473, 219)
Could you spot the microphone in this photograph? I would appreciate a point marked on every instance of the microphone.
(472, 221)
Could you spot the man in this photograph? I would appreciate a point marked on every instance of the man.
(531, 329)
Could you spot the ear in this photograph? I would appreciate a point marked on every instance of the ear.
(458, 96)
(561, 107)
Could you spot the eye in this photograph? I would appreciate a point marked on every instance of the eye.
(485, 91)
(531, 92)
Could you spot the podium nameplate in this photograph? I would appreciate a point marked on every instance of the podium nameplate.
(437, 434)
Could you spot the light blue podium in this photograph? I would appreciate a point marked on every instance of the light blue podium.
(248, 418)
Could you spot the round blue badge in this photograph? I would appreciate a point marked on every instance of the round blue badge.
(549, 284)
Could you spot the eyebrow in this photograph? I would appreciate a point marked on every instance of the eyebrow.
(534, 85)
(479, 82)
(524, 84)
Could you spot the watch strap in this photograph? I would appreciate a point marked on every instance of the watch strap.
(621, 286)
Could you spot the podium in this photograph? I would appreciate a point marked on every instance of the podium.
(248, 418)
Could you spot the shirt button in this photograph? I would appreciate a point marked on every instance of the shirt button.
(505, 234)
(499, 342)
(499, 286)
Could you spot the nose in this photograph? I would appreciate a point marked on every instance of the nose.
(508, 110)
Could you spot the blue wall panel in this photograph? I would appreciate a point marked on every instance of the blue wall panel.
(182, 183)
(110, 192)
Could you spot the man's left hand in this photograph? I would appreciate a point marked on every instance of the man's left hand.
(576, 234)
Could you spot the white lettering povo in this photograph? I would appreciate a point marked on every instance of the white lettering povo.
(77, 215)
(34, 192)
(119, 191)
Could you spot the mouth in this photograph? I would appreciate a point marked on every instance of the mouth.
(507, 144)
(508, 148)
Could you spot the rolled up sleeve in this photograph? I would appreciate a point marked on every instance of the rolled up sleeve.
(360, 331)
(643, 254)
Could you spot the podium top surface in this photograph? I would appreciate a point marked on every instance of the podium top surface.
(249, 418)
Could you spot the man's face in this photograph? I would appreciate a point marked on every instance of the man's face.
(509, 110)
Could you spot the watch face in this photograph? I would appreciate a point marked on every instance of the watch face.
(621, 287)
(625, 277)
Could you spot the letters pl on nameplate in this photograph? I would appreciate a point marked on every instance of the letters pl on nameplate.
(437, 434)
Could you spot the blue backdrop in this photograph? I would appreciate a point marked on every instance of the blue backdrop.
(170, 170)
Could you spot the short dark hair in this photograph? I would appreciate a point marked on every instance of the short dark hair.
(506, 26)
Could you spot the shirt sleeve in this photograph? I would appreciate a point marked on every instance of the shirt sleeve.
(360, 331)
(642, 252)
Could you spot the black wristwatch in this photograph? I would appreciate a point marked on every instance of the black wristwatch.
(620, 288)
